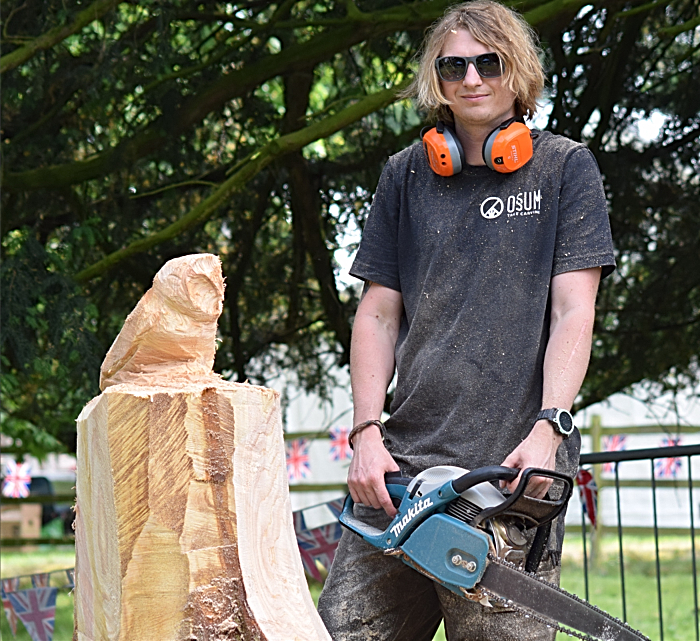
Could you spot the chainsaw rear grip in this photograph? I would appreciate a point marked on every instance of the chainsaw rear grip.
(395, 485)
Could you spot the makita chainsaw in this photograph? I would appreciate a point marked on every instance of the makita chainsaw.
(455, 527)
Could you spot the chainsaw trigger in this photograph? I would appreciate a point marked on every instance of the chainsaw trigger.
(419, 482)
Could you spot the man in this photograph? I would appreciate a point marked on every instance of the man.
(480, 292)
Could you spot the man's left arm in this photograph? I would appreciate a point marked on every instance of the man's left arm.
(566, 359)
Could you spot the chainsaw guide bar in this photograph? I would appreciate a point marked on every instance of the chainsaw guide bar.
(530, 596)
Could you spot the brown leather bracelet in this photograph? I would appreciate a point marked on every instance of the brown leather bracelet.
(358, 428)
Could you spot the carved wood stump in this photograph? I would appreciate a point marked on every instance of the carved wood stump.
(184, 525)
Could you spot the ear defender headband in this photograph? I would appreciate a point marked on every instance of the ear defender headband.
(506, 149)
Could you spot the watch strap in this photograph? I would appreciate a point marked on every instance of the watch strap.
(549, 414)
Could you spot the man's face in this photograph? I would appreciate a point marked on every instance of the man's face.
(475, 101)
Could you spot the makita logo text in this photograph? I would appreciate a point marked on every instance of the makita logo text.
(416, 509)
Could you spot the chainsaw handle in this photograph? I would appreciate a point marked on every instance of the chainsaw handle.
(395, 485)
(488, 473)
(551, 508)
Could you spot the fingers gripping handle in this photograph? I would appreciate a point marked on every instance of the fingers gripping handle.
(396, 486)
(350, 521)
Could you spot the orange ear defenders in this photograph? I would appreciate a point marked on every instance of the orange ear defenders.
(507, 148)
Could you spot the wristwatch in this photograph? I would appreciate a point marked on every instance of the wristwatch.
(561, 420)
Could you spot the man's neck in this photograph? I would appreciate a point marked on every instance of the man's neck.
(472, 138)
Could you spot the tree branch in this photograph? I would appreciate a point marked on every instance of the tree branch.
(254, 164)
(553, 9)
(672, 32)
(52, 37)
(238, 83)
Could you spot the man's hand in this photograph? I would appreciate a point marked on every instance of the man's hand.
(539, 449)
(366, 475)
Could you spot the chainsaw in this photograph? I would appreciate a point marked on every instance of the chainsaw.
(456, 528)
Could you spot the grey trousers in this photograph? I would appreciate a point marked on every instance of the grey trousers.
(370, 596)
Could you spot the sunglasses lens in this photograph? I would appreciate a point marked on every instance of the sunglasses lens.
(452, 68)
(488, 65)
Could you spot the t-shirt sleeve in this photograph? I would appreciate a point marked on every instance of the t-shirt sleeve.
(377, 257)
(584, 239)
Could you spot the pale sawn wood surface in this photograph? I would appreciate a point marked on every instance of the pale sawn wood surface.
(184, 525)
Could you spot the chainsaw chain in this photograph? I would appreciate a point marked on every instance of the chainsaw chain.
(551, 623)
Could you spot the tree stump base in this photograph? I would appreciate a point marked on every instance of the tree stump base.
(184, 526)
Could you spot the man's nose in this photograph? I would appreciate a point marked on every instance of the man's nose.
(472, 76)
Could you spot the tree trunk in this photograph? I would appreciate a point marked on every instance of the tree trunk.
(184, 526)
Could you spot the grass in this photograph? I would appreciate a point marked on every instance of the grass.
(604, 584)
(675, 558)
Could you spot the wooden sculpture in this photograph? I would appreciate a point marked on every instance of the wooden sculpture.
(184, 525)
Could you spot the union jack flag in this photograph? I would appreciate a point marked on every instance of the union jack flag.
(340, 446)
(668, 467)
(41, 580)
(297, 454)
(10, 585)
(336, 507)
(318, 544)
(615, 443)
(17, 480)
(588, 492)
(36, 608)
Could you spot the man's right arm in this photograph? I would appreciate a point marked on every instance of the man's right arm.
(374, 335)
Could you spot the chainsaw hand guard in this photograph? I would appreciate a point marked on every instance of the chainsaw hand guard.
(535, 512)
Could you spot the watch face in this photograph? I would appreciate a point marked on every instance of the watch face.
(566, 422)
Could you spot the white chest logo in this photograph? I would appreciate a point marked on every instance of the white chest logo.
(492, 207)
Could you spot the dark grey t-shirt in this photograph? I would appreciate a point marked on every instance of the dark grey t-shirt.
(473, 256)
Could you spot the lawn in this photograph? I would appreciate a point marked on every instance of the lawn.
(604, 584)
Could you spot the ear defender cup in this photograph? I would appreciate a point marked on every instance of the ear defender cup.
(508, 147)
(443, 150)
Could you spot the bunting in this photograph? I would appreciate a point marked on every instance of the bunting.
(340, 445)
(6, 603)
(317, 544)
(336, 507)
(668, 467)
(588, 493)
(17, 479)
(36, 608)
(41, 580)
(297, 455)
(614, 443)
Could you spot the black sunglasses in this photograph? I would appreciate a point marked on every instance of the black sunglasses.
(454, 68)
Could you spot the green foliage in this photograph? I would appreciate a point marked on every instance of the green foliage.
(49, 348)
(114, 135)
(614, 68)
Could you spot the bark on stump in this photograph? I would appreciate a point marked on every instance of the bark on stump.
(184, 525)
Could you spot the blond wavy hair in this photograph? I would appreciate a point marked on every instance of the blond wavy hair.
(501, 30)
